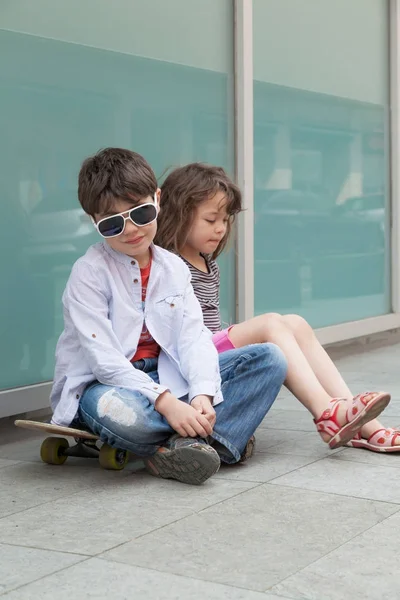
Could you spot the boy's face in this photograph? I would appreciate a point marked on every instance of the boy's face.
(134, 241)
(209, 225)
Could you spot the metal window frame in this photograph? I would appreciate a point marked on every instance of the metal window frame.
(394, 120)
(244, 142)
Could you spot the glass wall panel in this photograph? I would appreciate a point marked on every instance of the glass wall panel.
(77, 76)
(321, 158)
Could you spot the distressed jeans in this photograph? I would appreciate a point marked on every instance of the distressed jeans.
(251, 379)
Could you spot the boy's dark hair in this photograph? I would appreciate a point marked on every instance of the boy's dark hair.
(111, 174)
(182, 192)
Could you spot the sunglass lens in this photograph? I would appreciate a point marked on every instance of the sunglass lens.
(142, 215)
(112, 226)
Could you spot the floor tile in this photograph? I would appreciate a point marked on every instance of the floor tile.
(120, 512)
(335, 476)
(268, 438)
(256, 539)
(9, 433)
(102, 580)
(263, 467)
(19, 566)
(24, 485)
(303, 444)
(370, 458)
(268, 596)
(286, 401)
(288, 419)
(26, 450)
(7, 463)
(365, 568)
(392, 411)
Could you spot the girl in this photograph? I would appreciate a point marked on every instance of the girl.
(198, 206)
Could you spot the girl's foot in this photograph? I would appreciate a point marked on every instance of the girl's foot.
(339, 423)
(381, 440)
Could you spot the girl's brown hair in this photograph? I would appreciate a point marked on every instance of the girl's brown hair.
(182, 192)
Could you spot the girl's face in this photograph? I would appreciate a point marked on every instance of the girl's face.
(209, 225)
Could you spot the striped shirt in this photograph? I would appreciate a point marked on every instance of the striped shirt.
(206, 289)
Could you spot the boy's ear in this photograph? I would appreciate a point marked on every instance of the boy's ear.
(158, 194)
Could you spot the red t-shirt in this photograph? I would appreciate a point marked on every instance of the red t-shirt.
(147, 346)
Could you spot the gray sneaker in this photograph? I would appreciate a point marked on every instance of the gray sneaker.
(189, 460)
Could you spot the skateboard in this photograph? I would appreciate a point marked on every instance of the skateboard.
(56, 450)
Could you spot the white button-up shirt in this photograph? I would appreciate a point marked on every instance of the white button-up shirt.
(103, 319)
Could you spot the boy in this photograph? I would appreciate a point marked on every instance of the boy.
(135, 363)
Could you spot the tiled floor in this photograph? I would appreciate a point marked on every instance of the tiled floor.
(296, 522)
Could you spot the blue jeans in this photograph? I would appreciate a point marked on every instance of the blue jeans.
(251, 379)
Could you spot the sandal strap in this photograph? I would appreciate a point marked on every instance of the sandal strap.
(327, 422)
(384, 437)
(365, 397)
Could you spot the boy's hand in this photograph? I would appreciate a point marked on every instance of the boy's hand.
(183, 418)
(204, 405)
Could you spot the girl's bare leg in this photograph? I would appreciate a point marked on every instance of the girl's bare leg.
(322, 365)
(301, 379)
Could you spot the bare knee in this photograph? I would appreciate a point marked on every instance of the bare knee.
(298, 326)
(271, 323)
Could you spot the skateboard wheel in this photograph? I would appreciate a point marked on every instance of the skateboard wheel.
(112, 458)
(52, 450)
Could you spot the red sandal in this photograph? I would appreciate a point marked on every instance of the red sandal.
(361, 410)
(382, 440)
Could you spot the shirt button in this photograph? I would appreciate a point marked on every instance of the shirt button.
(133, 262)
(136, 281)
(172, 305)
(155, 388)
(93, 335)
(77, 396)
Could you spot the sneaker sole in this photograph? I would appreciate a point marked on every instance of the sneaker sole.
(190, 464)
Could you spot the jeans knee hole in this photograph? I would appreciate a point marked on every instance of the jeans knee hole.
(111, 405)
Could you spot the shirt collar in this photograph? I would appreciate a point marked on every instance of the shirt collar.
(124, 259)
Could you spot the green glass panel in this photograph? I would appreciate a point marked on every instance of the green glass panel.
(321, 159)
(73, 80)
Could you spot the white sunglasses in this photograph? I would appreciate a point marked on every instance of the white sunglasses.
(141, 215)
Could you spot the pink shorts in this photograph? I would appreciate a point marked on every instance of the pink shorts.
(221, 340)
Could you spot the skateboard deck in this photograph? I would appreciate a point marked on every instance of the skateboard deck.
(56, 450)
(56, 429)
